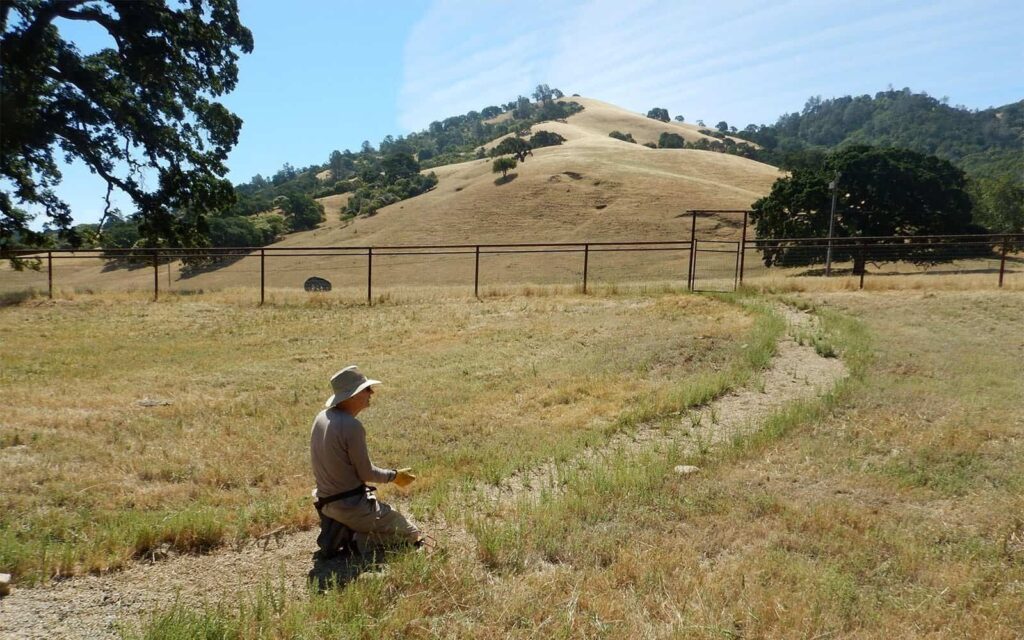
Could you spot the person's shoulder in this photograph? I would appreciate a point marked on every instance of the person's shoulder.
(342, 420)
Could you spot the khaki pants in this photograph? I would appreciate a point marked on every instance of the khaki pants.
(374, 522)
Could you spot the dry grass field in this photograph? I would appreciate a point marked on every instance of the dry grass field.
(130, 425)
(888, 508)
(891, 508)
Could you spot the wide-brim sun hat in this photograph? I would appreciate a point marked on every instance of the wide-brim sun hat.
(347, 383)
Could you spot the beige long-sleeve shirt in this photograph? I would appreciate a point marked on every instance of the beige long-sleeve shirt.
(341, 461)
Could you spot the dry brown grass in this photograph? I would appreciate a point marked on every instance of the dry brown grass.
(893, 510)
(91, 476)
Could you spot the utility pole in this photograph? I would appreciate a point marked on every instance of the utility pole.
(834, 186)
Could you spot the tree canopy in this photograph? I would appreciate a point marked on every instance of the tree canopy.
(658, 113)
(140, 113)
(999, 203)
(625, 137)
(503, 165)
(671, 141)
(880, 192)
(513, 145)
(545, 139)
(984, 143)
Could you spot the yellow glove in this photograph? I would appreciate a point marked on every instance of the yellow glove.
(404, 477)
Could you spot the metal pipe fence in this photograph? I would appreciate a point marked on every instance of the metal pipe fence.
(703, 264)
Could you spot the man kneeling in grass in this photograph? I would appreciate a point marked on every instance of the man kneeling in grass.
(352, 519)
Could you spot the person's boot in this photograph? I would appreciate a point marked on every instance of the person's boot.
(335, 539)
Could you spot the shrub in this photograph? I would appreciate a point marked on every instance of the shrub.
(545, 139)
(625, 137)
(671, 141)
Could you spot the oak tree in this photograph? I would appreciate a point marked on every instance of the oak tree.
(503, 165)
(141, 113)
(880, 192)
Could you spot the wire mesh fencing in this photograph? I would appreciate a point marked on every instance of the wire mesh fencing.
(366, 273)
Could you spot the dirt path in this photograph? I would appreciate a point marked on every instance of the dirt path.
(95, 606)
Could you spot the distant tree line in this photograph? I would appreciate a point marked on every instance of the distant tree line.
(669, 140)
(988, 144)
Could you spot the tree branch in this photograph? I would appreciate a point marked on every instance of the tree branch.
(44, 16)
(92, 14)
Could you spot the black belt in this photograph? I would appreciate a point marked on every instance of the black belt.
(320, 502)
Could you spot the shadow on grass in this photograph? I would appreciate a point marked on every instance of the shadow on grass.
(12, 298)
(506, 179)
(942, 271)
(336, 572)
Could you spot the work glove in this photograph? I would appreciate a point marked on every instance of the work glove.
(404, 477)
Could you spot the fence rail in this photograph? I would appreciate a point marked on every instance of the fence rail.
(708, 263)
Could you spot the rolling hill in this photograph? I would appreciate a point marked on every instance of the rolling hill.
(591, 188)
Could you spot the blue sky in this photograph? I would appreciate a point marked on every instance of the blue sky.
(327, 74)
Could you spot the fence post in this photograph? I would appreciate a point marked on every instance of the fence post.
(476, 274)
(1002, 263)
(369, 275)
(736, 269)
(263, 276)
(864, 264)
(156, 274)
(586, 264)
(49, 273)
(693, 252)
(743, 246)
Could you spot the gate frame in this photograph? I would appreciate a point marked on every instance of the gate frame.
(741, 244)
(738, 251)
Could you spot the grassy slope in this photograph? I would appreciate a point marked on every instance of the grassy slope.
(896, 515)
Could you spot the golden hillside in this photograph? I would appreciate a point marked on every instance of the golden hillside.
(591, 188)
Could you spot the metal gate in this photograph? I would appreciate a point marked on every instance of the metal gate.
(715, 265)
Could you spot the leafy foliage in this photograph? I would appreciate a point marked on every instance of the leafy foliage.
(545, 139)
(999, 203)
(985, 143)
(387, 181)
(144, 104)
(881, 192)
(514, 146)
(671, 141)
(302, 211)
(503, 165)
(625, 137)
(657, 113)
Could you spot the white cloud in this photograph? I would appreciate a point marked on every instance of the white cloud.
(743, 60)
